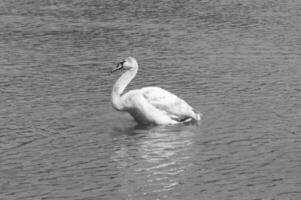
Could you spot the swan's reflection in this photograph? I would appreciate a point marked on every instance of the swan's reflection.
(153, 161)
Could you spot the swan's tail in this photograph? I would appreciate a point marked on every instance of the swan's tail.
(195, 117)
(198, 116)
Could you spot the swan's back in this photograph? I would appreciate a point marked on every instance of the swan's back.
(164, 101)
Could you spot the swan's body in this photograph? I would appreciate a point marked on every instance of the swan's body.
(149, 105)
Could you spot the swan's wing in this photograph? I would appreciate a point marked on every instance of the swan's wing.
(143, 111)
(165, 101)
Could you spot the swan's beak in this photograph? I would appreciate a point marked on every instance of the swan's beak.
(118, 67)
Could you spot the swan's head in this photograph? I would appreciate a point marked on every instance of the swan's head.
(127, 64)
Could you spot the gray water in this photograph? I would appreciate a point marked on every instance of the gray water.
(237, 62)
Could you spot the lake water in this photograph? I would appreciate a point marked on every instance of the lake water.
(238, 62)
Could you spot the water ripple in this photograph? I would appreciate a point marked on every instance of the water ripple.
(236, 62)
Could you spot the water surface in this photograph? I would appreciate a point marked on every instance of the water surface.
(237, 62)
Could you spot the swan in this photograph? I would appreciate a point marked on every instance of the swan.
(149, 105)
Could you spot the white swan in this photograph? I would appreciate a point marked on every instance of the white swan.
(149, 105)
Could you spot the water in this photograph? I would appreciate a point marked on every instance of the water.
(237, 62)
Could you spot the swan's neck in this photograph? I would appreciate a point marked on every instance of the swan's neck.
(120, 86)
